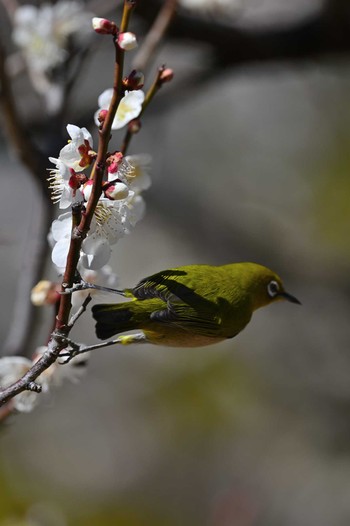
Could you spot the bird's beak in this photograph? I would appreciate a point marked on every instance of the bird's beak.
(289, 297)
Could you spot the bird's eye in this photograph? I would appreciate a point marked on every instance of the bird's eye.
(272, 288)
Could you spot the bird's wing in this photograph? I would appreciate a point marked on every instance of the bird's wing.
(183, 306)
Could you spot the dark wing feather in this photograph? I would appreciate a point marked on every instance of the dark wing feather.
(184, 308)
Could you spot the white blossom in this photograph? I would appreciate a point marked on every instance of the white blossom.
(12, 368)
(129, 107)
(62, 190)
(43, 35)
(74, 157)
(42, 32)
(76, 154)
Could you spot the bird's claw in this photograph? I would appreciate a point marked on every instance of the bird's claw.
(82, 285)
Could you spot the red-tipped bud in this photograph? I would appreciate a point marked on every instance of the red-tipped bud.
(103, 26)
(166, 75)
(116, 190)
(134, 81)
(127, 41)
(134, 126)
(102, 116)
(113, 162)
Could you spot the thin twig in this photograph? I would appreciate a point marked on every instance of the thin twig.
(79, 313)
(157, 84)
(155, 35)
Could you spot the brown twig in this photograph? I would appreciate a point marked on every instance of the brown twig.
(155, 35)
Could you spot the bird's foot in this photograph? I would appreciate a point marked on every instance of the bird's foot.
(76, 349)
(84, 285)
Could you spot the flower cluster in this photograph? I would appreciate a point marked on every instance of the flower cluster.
(44, 35)
(13, 367)
(120, 205)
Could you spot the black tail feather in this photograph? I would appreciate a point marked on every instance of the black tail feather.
(111, 319)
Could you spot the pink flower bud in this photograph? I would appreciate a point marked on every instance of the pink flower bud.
(103, 26)
(102, 116)
(167, 75)
(116, 191)
(113, 162)
(127, 41)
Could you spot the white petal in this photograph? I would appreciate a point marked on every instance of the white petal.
(105, 98)
(13, 367)
(96, 252)
(70, 156)
(25, 15)
(26, 401)
(60, 252)
(129, 108)
(87, 136)
(75, 133)
(62, 226)
(66, 197)
(139, 178)
(96, 114)
(53, 160)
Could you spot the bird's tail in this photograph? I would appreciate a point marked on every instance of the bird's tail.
(112, 319)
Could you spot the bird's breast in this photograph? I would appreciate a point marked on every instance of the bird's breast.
(180, 338)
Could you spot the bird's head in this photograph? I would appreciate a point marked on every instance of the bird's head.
(267, 287)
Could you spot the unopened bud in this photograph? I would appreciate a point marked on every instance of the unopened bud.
(127, 41)
(134, 81)
(103, 26)
(166, 75)
(45, 293)
(113, 162)
(116, 191)
(102, 116)
(134, 126)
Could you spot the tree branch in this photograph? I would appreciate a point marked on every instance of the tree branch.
(325, 32)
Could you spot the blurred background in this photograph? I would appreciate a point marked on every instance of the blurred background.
(251, 162)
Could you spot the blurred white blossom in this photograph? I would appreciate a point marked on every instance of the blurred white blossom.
(211, 5)
(44, 35)
(14, 367)
(43, 32)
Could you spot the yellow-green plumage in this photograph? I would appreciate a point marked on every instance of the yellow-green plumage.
(193, 305)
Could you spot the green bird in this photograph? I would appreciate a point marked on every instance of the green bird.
(191, 306)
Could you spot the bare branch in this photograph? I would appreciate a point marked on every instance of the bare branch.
(155, 35)
(323, 33)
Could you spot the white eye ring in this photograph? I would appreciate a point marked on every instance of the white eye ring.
(273, 289)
